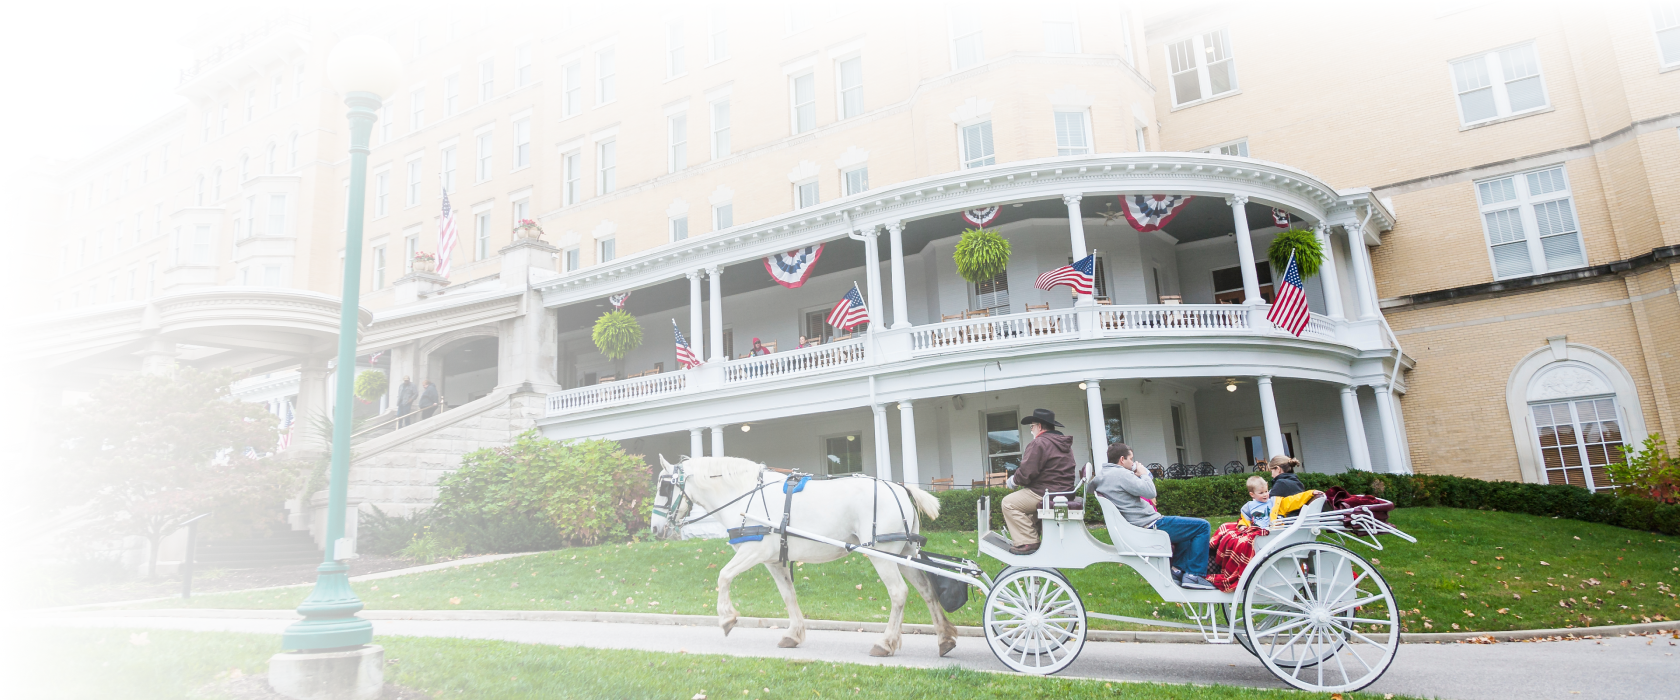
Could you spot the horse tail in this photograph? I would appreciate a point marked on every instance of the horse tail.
(925, 502)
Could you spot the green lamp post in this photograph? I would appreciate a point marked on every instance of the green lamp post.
(364, 69)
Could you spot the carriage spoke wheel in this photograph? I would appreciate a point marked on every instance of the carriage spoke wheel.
(1035, 621)
(1321, 618)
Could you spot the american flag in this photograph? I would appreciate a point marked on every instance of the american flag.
(251, 453)
(685, 354)
(850, 312)
(446, 237)
(1289, 309)
(1078, 275)
(287, 418)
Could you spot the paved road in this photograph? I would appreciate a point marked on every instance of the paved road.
(1621, 668)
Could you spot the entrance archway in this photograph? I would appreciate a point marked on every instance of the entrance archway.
(464, 369)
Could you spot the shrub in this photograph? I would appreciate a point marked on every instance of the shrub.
(429, 548)
(1649, 473)
(371, 385)
(379, 533)
(981, 254)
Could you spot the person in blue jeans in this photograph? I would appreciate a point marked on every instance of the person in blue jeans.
(1127, 485)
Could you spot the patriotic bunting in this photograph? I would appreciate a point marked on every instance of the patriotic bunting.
(619, 299)
(685, 354)
(850, 312)
(1280, 217)
(792, 268)
(983, 215)
(1078, 275)
(1151, 212)
(1289, 306)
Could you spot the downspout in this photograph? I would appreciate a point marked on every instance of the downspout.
(1399, 352)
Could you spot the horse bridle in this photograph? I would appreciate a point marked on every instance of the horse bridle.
(677, 480)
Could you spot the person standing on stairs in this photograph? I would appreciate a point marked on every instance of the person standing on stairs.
(405, 403)
(428, 400)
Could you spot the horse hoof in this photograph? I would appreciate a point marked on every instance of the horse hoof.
(727, 626)
(946, 646)
(788, 643)
(879, 650)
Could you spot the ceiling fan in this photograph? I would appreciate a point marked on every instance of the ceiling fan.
(1230, 383)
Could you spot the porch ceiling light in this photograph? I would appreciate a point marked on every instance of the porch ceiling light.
(1231, 385)
(746, 427)
(1082, 386)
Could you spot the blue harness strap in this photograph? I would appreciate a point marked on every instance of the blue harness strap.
(795, 487)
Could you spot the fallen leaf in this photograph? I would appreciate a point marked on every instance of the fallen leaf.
(1545, 564)
(455, 601)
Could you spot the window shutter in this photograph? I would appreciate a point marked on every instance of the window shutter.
(993, 293)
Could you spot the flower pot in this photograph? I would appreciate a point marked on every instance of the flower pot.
(425, 265)
(530, 231)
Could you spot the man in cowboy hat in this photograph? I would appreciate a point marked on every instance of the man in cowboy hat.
(1046, 465)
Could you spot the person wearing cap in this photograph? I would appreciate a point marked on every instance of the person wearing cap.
(1047, 465)
(759, 349)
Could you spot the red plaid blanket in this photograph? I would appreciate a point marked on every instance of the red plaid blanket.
(1229, 551)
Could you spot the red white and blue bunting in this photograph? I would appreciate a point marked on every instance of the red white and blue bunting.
(792, 268)
(1151, 212)
(619, 299)
(1280, 217)
(983, 215)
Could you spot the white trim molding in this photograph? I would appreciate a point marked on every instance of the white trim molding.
(1594, 368)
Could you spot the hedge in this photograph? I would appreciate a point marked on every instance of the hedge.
(1224, 496)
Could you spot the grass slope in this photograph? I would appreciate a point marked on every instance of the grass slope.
(99, 664)
(1470, 570)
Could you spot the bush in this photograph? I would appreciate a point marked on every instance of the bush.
(429, 548)
(1649, 473)
(542, 494)
(378, 533)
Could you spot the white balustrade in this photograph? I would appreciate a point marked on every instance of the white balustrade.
(782, 364)
(610, 393)
(965, 334)
(1320, 328)
(1150, 319)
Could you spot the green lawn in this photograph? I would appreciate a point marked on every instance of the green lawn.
(99, 664)
(1470, 570)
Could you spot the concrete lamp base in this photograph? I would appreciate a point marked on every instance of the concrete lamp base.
(352, 674)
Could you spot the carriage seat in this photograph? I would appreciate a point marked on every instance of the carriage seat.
(1129, 538)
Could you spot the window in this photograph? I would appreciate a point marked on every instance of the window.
(413, 182)
(221, 128)
(216, 186)
(1201, 67)
(606, 250)
(276, 215)
(157, 220)
(163, 160)
(1666, 19)
(151, 278)
(521, 143)
(1499, 84)
(572, 76)
(244, 170)
(271, 276)
(199, 193)
(1003, 442)
(1228, 284)
(146, 168)
(1126, 38)
(606, 168)
(1114, 428)
(799, 17)
(1072, 136)
(1530, 223)
(993, 293)
(523, 72)
(297, 81)
(1061, 29)
(1180, 448)
(379, 267)
(1577, 440)
(967, 48)
(417, 110)
(843, 454)
(205, 135)
(273, 155)
(571, 189)
(292, 154)
(719, 38)
(723, 216)
(677, 132)
(572, 259)
(805, 195)
(849, 77)
(133, 276)
(802, 89)
(675, 49)
(486, 144)
(855, 180)
(606, 77)
(411, 246)
(385, 126)
(720, 129)
(381, 193)
(447, 170)
(679, 228)
(200, 246)
(977, 145)
(481, 235)
(250, 218)
(1235, 148)
(521, 210)
(486, 80)
(451, 95)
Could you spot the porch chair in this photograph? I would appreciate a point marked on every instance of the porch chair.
(1176, 471)
(1041, 326)
(992, 479)
(1206, 469)
(1234, 466)
(951, 317)
(658, 368)
(943, 484)
(1156, 470)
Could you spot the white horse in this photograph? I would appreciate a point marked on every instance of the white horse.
(849, 510)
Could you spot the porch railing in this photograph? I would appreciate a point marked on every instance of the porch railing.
(1127, 320)
(625, 391)
(994, 330)
(1319, 328)
(782, 364)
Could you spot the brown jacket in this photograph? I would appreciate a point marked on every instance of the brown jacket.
(1047, 464)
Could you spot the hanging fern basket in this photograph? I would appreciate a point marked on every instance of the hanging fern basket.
(616, 334)
(981, 254)
(371, 384)
(1309, 255)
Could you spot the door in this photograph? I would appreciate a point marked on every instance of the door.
(1003, 442)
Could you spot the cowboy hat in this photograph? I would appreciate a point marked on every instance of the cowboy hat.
(1042, 415)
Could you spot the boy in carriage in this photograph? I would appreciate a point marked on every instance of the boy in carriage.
(1129, 486)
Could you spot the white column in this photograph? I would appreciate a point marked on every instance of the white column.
(715, 273)
(872, 275)
(696, 330)
(900, 296)
(717, 441)
(883, 443)
(1363, 285)
(1328, 275)
(1076, 236)
(696, 442)
(1245, 250)
(1269, 417)
(1099, 429)
(907, 442)
(1359, 451)
(1391, 430)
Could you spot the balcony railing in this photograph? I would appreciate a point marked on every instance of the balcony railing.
(1032, 326)
(626, 391)
(783, 364)
(1172, 318)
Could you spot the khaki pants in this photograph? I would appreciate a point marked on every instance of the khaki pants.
(1020, 513)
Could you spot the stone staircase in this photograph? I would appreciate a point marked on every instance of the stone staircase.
(290, 548)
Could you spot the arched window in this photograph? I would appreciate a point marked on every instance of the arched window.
(216, 185)
(200, 193)
(1574, 409)
(244, 167)
(294, 154)
(271, 156)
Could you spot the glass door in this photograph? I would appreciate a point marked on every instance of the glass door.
(1003, 442)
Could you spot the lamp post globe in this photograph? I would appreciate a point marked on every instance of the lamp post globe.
(364, 69)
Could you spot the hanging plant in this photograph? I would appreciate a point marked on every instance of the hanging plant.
(616, 334)
(1309, 255)
(981, 254)
(371, 385)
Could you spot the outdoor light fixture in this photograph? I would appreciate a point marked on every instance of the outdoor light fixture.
(1231, 385)
(746, 427)
(1082, 386)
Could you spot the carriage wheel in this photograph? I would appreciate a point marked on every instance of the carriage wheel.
(1035, 621)
(1321, 618)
